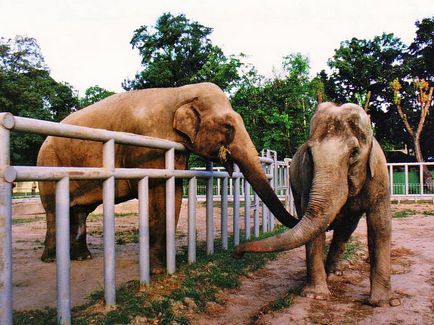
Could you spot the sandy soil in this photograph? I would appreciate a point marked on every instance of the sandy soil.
(412, 280)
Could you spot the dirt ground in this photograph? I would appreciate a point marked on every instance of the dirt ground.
(412, 279)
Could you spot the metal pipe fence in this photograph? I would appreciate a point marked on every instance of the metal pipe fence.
(227, 186)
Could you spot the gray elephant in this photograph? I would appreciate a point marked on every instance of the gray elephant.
(338, 175)
(198, 116)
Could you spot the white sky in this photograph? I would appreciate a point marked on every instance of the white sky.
(86, 42)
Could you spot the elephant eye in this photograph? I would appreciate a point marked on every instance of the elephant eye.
(354, 153)
(229, 133)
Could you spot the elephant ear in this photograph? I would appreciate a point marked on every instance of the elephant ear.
(375, 157)
(187, 120)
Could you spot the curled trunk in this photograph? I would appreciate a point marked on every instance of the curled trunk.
(319, 213)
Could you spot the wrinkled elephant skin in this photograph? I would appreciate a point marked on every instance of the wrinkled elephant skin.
(338, 175)
(198, 116)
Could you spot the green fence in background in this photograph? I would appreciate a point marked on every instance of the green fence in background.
(413, 182)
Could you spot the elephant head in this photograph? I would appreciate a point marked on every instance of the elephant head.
(336, 162)
(212, 129)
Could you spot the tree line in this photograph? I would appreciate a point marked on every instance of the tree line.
(393, 81)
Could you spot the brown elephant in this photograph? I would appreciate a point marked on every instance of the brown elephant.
(338, 175)
(198, 116)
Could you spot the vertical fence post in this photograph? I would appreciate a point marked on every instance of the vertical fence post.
(109, 225)
(289, 197)
(406, 178)
(247, 209)
(224, 212)
(391, 180)
(170, 214)
(273, 185)
(192, 192)
(236, 207)
(7, 122)
(256, 216)
(421, 179)
(144, 260)
(218, 186)
(63, 262)
(264, 208)
(209, 212)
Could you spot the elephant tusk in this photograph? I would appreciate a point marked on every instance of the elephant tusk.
(223, 154)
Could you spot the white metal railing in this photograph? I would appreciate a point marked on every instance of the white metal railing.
(108, 173)
(407, 180)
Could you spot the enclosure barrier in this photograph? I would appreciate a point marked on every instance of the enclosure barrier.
(409, 180)
(109, 173)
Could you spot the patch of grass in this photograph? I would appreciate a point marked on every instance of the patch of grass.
(286, 300)
(164, 301)
(99, 216)
(404, 213)
(45, 316)
(126, 237)
(350, 249)
(19, 221)
(429, 212)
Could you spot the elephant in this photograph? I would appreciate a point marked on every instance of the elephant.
(336, 176)
(199, 116)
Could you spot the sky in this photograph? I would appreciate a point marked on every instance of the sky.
(86, 42)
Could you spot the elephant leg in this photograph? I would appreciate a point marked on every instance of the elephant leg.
(49, 253)
(157, 221)
(47, 190)
(379, 242)
(316, 286)
(341, 235)
(79, 249)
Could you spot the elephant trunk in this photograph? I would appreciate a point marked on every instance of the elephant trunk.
(243, 152)
(327, 196)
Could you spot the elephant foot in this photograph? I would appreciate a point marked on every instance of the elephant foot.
(238, 253)
(333, 276)
(158, 270)
(392, 302)
(319, 292)
(49, 255)
(158, 265)
(80, 253)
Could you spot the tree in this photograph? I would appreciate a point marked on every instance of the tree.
(362, 67)
(94, 94)
(176, 52)
(421, 51)
(424, 96)
(421, 62)
(366, 67)
(277, 111)
(27, 89)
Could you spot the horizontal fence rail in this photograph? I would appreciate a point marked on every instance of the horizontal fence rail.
(235, 187)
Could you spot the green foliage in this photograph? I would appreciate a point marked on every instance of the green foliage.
(420, 56)
(176, 52)
(94, 94)
(404, 214)
(27, 89)
(277, 111)
(361, 65)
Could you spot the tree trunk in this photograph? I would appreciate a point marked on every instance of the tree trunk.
(427, 177)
